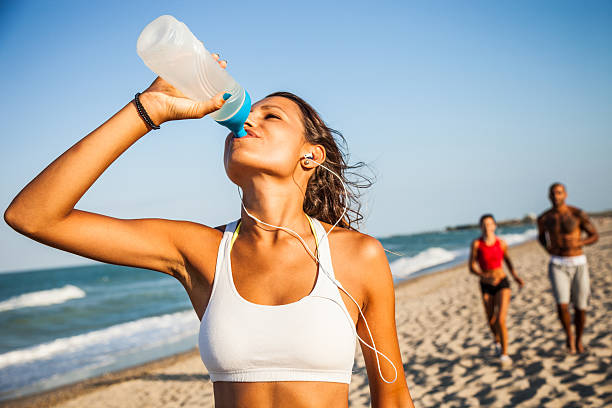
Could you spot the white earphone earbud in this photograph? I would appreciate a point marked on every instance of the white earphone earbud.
(308, 157)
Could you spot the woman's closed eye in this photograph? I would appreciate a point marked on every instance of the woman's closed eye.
(272, 116)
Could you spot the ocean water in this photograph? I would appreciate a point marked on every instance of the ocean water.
(63, 325)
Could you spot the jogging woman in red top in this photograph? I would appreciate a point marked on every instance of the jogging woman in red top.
(486, 256)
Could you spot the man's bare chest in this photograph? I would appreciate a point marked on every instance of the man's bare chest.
(562, 223)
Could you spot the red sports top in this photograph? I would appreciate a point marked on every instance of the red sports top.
(490, 257)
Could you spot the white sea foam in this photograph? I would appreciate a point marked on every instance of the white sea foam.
(513, 239)
(423, 260)
(431, 257)
(404, 267)
(42, 298)
(121, 336)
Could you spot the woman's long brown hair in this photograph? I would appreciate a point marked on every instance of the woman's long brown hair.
(325, 199)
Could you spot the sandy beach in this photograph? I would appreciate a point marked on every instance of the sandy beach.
(446, 348)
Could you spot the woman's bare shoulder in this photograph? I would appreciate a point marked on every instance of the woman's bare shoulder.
(503, 243)
(198, 245)
(354, 245)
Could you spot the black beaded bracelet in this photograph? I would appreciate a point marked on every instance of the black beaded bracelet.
(143, 113)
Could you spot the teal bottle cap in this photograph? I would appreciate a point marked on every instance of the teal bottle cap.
(236, 122)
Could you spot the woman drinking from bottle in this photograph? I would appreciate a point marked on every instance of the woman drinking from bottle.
(280, 308)
(486, 257)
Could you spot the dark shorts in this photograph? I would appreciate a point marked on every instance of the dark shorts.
(493, 289)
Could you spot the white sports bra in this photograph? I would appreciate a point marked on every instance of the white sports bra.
(308, 340)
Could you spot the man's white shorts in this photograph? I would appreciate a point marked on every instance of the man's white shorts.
(570, 281)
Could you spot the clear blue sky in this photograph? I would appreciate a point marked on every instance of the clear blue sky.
(460, 107)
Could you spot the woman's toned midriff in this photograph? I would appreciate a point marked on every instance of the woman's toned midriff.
(298, 394)
(493, 276)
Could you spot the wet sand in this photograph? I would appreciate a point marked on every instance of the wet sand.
(446, 349)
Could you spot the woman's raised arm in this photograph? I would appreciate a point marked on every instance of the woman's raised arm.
(44, 209)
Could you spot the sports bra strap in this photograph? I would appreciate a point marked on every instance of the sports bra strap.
(235, 234)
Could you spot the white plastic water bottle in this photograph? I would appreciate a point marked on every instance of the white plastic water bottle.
(170, 49)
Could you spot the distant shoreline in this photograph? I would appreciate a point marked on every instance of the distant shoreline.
(529, 219)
